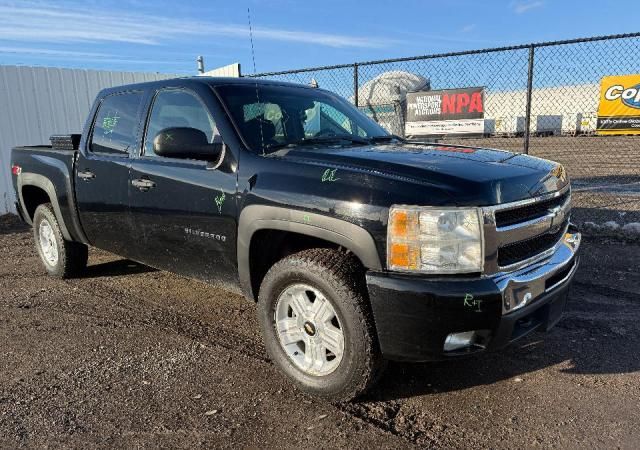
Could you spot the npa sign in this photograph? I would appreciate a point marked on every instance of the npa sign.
(448, 112)
(619, 110)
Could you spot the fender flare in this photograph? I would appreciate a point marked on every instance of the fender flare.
(40, 181)
(261, 217)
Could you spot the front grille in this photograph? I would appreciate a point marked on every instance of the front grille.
(520, 251)
(529, 212)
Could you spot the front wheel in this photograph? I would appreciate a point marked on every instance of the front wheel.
(318, 326)
(61, 258)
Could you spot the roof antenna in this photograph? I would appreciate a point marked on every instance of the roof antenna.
(253, 57)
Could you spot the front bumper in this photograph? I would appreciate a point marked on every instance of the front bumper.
(414, 315)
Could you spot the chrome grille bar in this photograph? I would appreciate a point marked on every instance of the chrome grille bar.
(497, 237)
(535, 227)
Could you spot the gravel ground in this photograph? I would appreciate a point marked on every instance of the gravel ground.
(128, 356)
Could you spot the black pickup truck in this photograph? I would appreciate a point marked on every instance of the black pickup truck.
(358, 246)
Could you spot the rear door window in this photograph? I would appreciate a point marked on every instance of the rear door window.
(116, 125)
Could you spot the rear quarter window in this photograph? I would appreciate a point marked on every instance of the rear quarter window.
(116, 124)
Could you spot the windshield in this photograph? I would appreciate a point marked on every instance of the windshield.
(273, 117)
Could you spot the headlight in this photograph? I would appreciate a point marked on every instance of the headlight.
(435, 240)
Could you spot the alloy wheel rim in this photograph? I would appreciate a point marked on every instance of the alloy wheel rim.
(309, 330)
(48, 243)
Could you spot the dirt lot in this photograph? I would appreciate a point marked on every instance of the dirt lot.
(128, 356)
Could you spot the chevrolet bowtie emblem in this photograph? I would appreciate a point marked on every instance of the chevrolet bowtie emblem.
(557, 218)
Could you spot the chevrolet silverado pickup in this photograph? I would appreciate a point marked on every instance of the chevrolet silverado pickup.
(359, 247)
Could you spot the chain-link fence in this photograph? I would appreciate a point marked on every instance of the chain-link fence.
(540, 99)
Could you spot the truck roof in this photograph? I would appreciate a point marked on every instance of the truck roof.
(211, 81)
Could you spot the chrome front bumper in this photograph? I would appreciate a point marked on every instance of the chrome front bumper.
(522, 287)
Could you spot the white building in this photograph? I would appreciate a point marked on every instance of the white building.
(36, 102)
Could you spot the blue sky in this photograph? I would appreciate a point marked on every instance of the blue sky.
(166, 36)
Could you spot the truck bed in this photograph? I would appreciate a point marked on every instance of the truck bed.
(35, 148)
(48, 169)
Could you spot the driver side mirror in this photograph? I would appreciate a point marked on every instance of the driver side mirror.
(185, 143)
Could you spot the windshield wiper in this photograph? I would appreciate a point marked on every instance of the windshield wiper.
(340, 137)
(320, 140)
(387, 138)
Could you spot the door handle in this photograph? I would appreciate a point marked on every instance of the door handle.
(143, 184)
(86, 175)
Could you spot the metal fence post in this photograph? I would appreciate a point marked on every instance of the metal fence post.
(355, 84)
(527, 122)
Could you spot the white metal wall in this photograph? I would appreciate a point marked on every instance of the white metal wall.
(560, 100)
(36, 102)
(231, 70)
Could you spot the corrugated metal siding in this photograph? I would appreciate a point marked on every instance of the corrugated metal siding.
(560, 100)
(231, 70)
(36, 102)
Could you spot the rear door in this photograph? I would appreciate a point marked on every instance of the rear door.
(183, 211)
(102, 172)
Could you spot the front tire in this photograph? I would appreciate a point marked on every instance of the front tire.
(317, 324)
(61, 258)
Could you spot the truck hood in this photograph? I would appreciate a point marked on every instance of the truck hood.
(467, 175)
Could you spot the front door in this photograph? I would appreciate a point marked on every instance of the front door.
(183, 211)
(102, 172)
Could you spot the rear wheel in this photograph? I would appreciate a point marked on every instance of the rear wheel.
(317, 324)
(61, 258)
